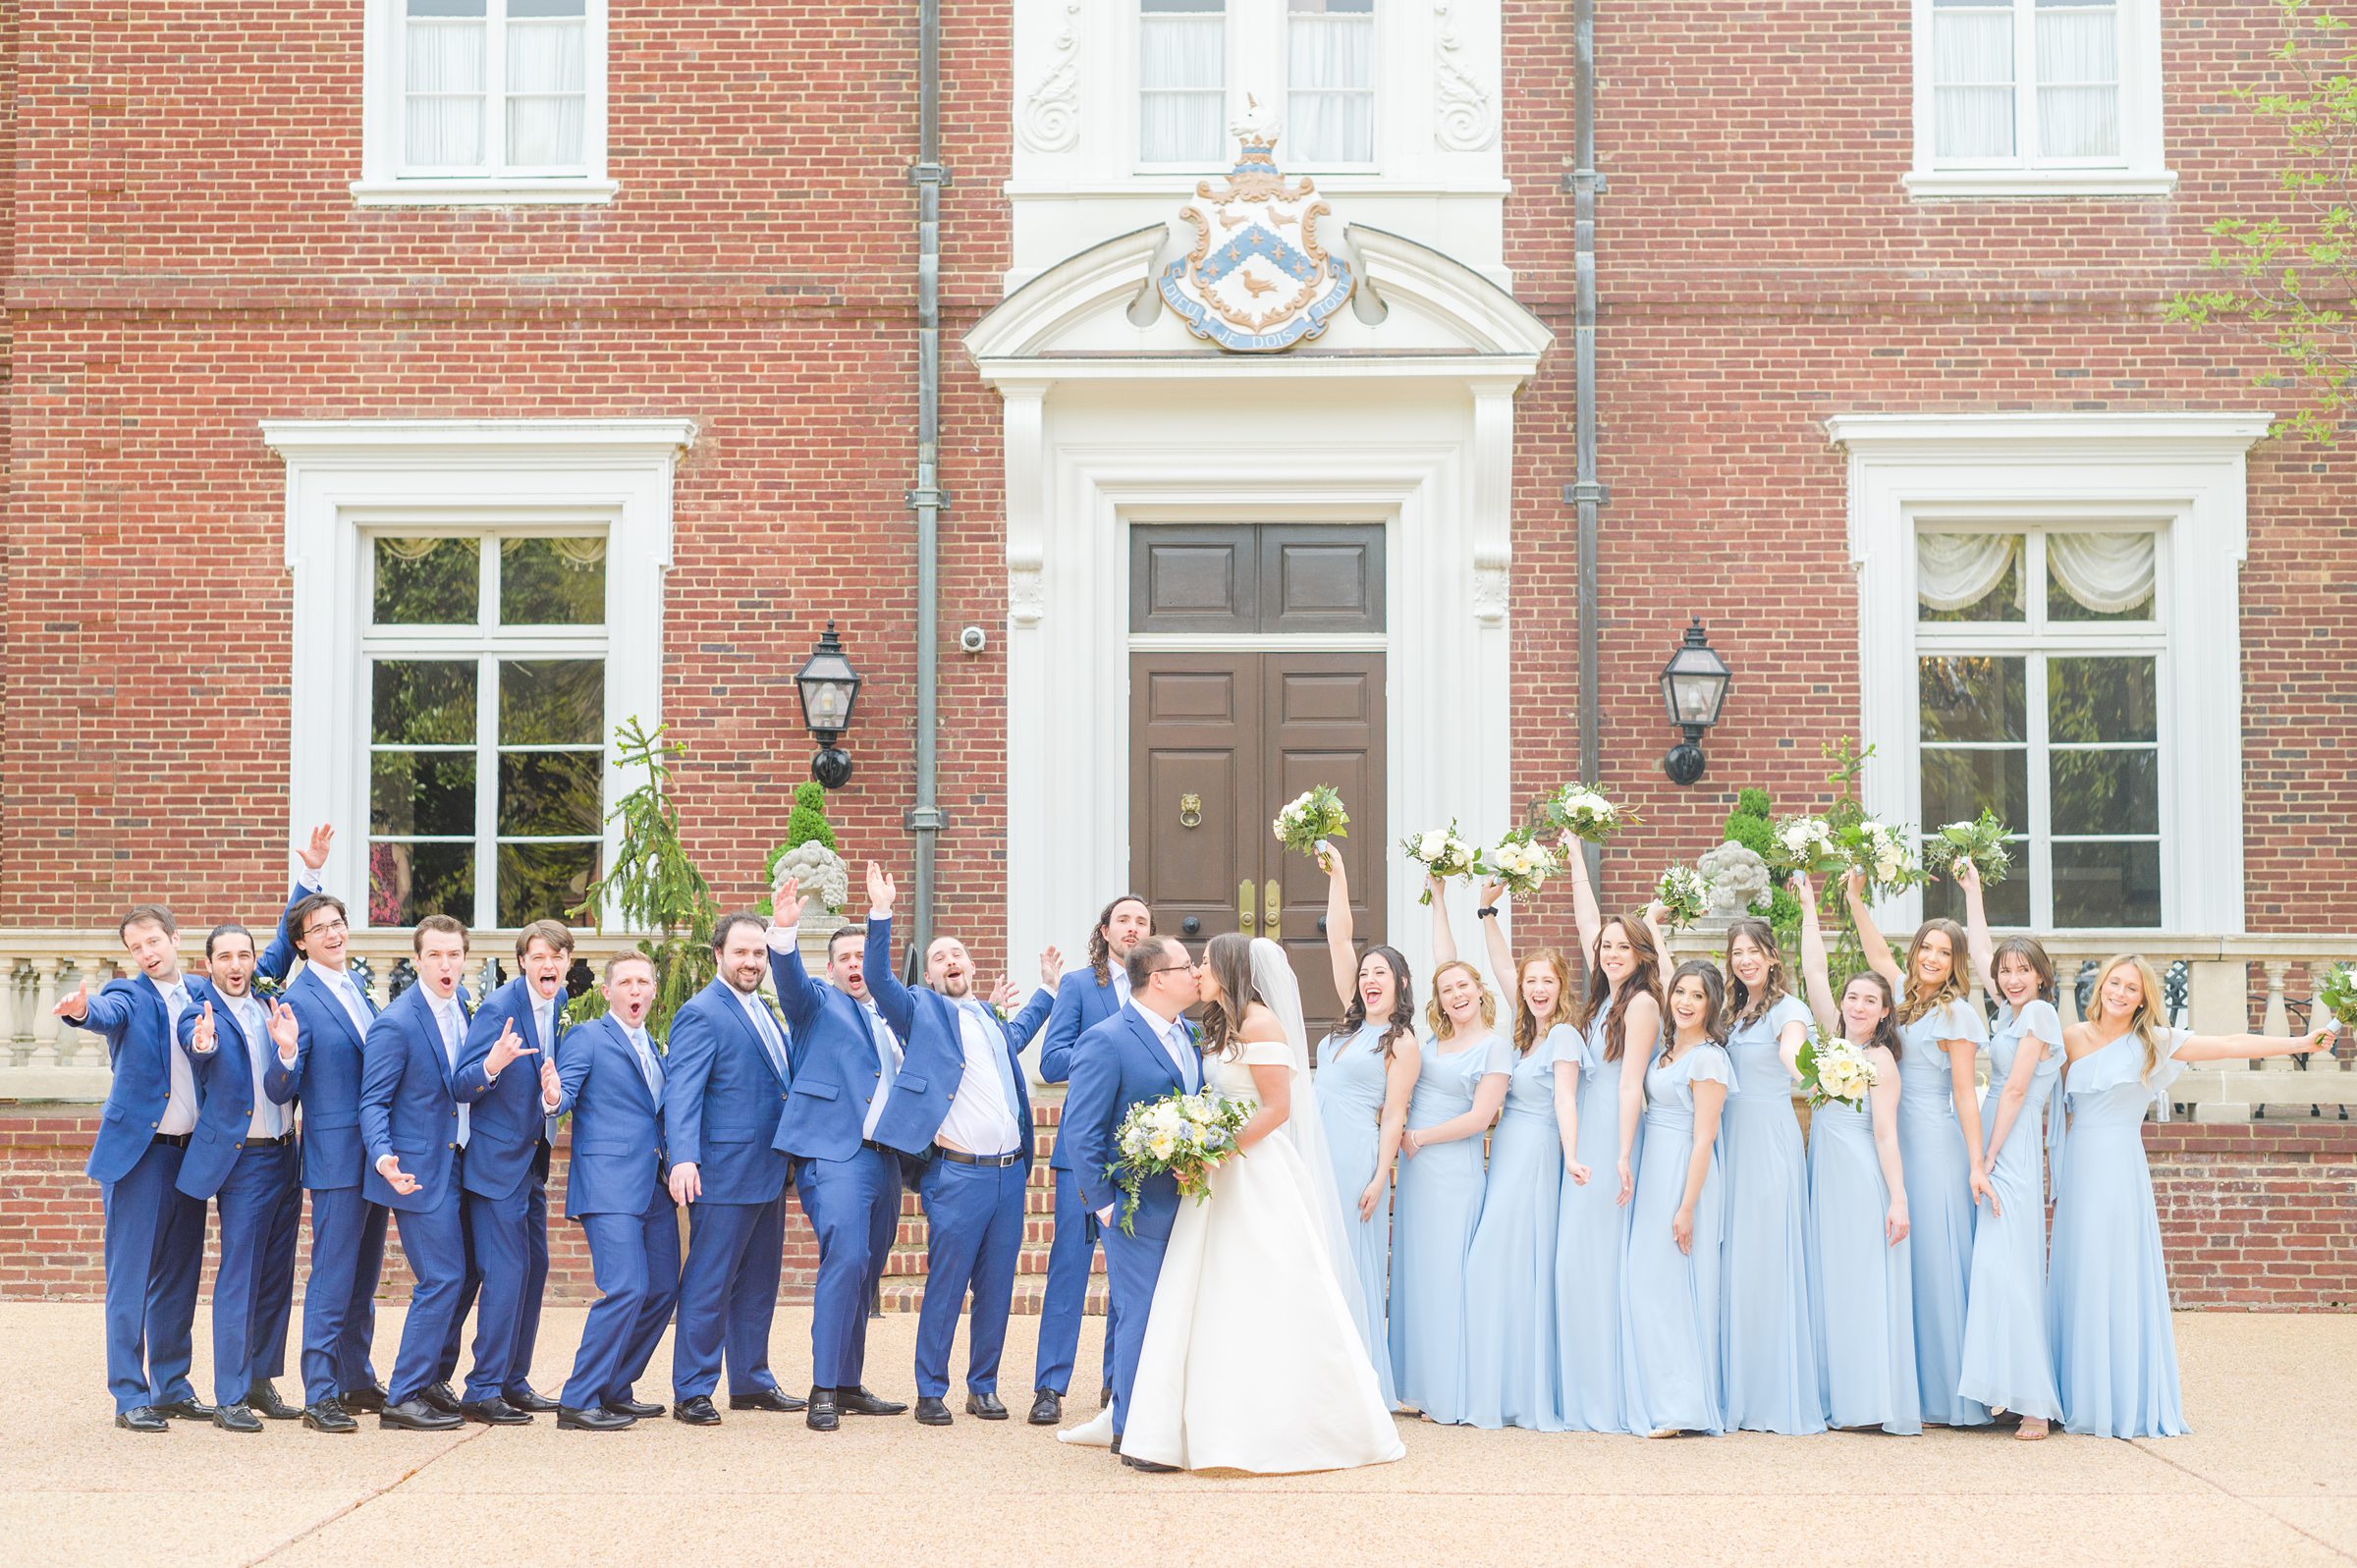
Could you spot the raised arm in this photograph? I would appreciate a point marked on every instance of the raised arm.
(1342, 936)
(1590, 919)
(893, 1001)
(1976, 926)
(1443, 940)
(1816, 971)
(1063, 1034)
(1507, 978)
(1023, 1025)
(1870, 935)
(799, 996)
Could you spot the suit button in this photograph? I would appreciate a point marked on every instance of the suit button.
(453, 1146)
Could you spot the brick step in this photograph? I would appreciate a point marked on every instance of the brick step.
(908, 1297)
(909, 1263)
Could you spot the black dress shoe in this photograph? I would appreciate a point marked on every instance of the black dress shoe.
(777, 1399)
(636, 1409)
(931, 1412)
(1148, 1466)
(573, 1419)
(361, 1401)
(328, 1416)
(1047, 1407)
(696, 1411)
(860, 1402)
(440, 1396)
(415, 1415)
(821, 1416)
(262, 1400)
(1116, 1446)
(185, 1410)
(522, 1397)
(141, 1418)
(493, 1412)
(986, 1406)
(236, 1418)
(1105, 1397)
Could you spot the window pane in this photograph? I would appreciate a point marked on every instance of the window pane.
(2008, 903)
(1182, 75)
(538, 879)
(1958, 786)
(446, 8)
(552, 702)
(1972, 82)
(546, 82)
(2107, 792)
(2078, 76)
(544, 8)
(2101, 576)
(552, 582)
(426, 582)
(423, 702)
(2090, 700)
(1972, 697)
(2107, 884)
(429, 792)
(1968, 577)
(443, 82)
(1330, 61)
(544, 792)
(407, 881)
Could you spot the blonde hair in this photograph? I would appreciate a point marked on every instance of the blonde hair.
(1443, 1026)
(1957, 986)
(1528, 1026)
(2145, 1022)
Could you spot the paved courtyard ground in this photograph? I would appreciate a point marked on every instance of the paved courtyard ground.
(2268, 1477)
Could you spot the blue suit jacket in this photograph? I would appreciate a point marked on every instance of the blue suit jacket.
(504, 1120)
(1116, 1065)
(406, 1106)
(130, 1014)
(928, 1021)
(224, 1092)
(1081, 1005)
(326, 1079)
(834, 1060)
(618, 1162)
(723, 1097)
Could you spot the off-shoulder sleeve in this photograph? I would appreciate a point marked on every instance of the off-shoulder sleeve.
(2040, 1021)
(1564, 1044)
(1498, 1057)
(1266, 1053)
(2171, 1067)
(1712, 1064)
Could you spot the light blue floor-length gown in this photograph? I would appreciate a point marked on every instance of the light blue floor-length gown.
(1938, 1179)
(2008, 1354)
(1863, 1291)
(1512, 1378)
(1350, 1088)
(1771, 1382)
(2115, 1353)
(1669, 1299)
(1590, 1239)
(1436, 1204)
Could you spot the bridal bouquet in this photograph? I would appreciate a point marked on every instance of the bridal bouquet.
(1312, 815)
(2336, 994)
(1682, 894)
(1520, 863)
(1582, 811)
(1981, 841)
(1444, 853)
(1182, 1136)
(1887, 855)
(1805, 844)
(1834, 1072)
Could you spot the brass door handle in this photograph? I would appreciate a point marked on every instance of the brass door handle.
(1190, 811)
(1272, 904)
(1243, 906)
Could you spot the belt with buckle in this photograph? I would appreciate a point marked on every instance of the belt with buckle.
(278, 1142)
(958, 1156)
(880, 1148)
(177, 1140)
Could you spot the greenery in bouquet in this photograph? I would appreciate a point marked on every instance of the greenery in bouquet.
(1582, 811)
(2336, 994)
(1182, 1136)
(1805, 844)
(1521, 863)
(1310, 816)
(1982, 841)
(1443, 852)
(1682, 894)
(1834, 1071)
(1886, 854)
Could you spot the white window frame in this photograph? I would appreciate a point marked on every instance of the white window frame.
(2141, 170)
(347, 479)
(1256, 40)
(2182, 474)
(382, 182)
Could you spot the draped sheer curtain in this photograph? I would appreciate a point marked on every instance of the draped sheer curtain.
(1182, 80)
(2025, 80)
(2100, 575)
(1330, 64)
(470, 65)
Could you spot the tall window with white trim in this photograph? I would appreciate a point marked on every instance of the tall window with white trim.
(1311, 62)
(2040, 672)
(1330, 61)
(504, 98)
(2058, 92)
(485, 658)
(1182, 80)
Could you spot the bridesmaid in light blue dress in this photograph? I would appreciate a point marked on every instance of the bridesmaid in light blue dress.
(2115, 1352)
(1670, 1286)
(2008, 1360)
(1366, 1071)
(1862, 1280)
(1620, 1027)
(1939, 1142)
(1460, 1084)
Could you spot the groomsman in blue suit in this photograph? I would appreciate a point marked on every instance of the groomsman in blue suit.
(850, 1113)
(155, 1236)
(1084, 1000)
(609, 1076)
(505, 1176)
(984, 1144)
(725, 1090)
(332, 1015)
(1143, 1053)
(243, 1157)
(416, 1132)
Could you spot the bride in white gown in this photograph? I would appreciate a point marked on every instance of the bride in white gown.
(1253, 1357)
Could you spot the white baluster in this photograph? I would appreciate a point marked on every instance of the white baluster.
(18, 1051)
(47, 1027)
(2277, 1022)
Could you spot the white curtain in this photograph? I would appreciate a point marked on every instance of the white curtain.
(1181, 73)
(1972, 81)
(1955, 571)
(1330, 117)
(442, 93)
(2078, 80)
(2110, 574)
(547, 90)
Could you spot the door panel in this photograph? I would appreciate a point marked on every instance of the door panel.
(1321, 578)
(1195, 732)
(1193, 579)
(1326, 726)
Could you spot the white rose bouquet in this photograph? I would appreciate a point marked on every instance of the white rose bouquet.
(1582, 811)
(1887, 855)
(2336, 994)
(1521, 862)
(1444, 853)
(1982, 841)
(1836, 1072)
(1311, 816)
(1684, 895)
(1182, 1136)
(1805, 844)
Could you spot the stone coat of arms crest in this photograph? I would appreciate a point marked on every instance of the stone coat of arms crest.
(1258, 277)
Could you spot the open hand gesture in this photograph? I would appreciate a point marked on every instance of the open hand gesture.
(785, 901)
(314, 855)
(506, 1049)
(879, 889)
(78, 1006)
(399, 1181)
(1051, 967)
(286, 1031)
(1003, 994)
(200, 1033)
(552, 1088)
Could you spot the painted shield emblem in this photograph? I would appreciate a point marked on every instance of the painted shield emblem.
(1257, 278)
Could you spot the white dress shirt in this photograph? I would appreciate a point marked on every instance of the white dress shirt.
(544, 1009)
(269, 1116)
(180, 1110)
(1175, 1045)
(765, 1029)
(980, 1120)
(453, 1025)
(888, 1045)
(345, 989)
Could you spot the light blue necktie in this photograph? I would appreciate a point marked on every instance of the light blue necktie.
(647, 1064)
(448, 1022)
(771, 1041)
(997, 1036)
(1174, 1041)
(547, 1015)
(880, 1033)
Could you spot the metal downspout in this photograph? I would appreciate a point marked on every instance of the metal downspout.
(927, 498)
(1586, 493)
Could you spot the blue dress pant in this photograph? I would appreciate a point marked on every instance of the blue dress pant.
(434, 1240)
(338, 1305)
(635, 1259)
(1133, 1263)
(250, 1298)
(974, 1234)
(855, 1207)
(1071, 1254)
(728, 1297)
(153, 1251)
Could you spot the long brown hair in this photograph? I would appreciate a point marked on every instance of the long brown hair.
(1714, 1008)
(2147, 1022)
(2030, 952)
(1401, 1024)
(1230, 959)
(1885, 1028)
(1529, 1029)
(1100, 946)
(1958, 985)
(1601, 998)
(1742, 1006)
(1443, 1027)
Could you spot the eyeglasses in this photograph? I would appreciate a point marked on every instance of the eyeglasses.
(326, 928)
(1170, 969)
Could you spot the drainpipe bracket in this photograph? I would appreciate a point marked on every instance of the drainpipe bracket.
(1595, 180)
(929, 174)
(1589, 490)
(936, 498)
(925, 819)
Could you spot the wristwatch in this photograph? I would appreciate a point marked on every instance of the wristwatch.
(1488, 911)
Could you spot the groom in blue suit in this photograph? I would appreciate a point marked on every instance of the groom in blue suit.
(1143, 1053)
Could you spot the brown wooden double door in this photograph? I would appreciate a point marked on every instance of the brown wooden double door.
(1220, 740)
